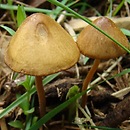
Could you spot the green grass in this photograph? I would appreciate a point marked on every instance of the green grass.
(21, 15)
(88, 21)
(118, 7)
(27, 9)
(9, 30)
(23, 97)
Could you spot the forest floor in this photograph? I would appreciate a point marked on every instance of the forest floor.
(108, 103)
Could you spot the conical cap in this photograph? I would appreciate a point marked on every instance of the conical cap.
(41, 46)
(94, 44)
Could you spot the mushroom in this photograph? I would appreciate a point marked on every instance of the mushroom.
(96, 45)
(41, 47)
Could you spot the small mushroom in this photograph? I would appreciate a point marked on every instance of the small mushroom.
(41, 47)
(94, 44)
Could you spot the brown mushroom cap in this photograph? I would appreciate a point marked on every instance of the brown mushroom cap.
(40, 47)
(94, 44)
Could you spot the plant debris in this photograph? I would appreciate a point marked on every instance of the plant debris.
(108, 101)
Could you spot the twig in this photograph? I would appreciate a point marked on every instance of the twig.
(106, 73)
(61, 18)
(127, 8)
(87, 116)
(121, 93)
(111, 85)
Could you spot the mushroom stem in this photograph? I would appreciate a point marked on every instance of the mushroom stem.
(41, 95)
(88, 79)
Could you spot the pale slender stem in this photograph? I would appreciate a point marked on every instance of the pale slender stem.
(41, 95)
(88, 79)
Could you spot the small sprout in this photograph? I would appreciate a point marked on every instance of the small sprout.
(72, 91)
(16, 124)
(72, 107)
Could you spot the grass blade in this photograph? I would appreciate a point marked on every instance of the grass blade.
(88, 21)
(118, 8)
(23, 97)
(21, 15)
(28, 9)
(9, 30)
(55, 111)
(125, 31)
(59, 108)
